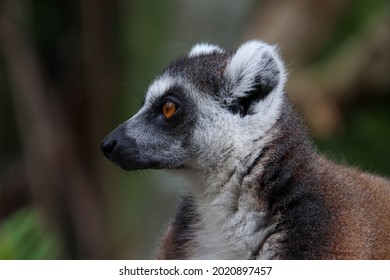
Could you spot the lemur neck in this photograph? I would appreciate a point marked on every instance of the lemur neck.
(236, 206)
(284, 155)
(271, 160)
(289, 158)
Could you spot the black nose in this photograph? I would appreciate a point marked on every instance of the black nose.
(107, 146)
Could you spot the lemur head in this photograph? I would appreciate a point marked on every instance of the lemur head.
(206, 111)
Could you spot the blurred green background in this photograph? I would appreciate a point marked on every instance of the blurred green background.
(71, 71)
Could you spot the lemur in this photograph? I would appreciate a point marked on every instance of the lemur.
(259, 189)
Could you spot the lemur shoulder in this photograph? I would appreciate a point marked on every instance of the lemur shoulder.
(260, 190)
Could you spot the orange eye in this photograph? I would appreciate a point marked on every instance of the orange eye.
(169, 109)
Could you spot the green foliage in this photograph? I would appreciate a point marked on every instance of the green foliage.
(24, 236)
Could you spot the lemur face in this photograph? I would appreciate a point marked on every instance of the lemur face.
(204, 112)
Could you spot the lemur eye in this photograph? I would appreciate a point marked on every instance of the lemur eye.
(169, 109)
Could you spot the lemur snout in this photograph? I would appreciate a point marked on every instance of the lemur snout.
(120, 149)
(123, 149)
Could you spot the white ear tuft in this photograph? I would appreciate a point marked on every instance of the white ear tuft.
(256, 77)
(204, 48)
(255, 63)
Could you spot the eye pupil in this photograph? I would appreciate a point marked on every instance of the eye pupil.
(169, 108)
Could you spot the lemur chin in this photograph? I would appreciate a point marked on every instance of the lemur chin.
(260, 189)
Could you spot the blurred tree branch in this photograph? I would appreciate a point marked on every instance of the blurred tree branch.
(58, 154)
(14, 192)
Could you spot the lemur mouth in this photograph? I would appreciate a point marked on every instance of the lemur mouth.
(129, 161)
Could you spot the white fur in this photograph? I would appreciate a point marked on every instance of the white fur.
(204, 48)
(232, 221)
(233, 225)
(158, 87)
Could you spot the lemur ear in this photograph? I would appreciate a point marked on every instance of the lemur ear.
(203, 49)
(254, 72)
